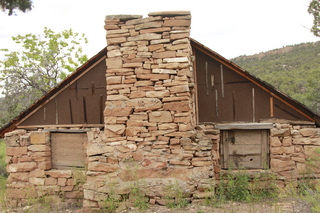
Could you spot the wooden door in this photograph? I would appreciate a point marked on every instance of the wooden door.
(245, 149)
(67, 150)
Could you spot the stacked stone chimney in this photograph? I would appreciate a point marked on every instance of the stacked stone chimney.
(149, 79)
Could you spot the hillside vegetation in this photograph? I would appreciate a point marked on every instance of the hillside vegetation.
(294, 70)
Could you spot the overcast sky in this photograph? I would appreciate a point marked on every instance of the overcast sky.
(231, 28)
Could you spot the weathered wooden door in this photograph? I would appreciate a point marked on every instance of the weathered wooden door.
(245, 149)
(67, 150)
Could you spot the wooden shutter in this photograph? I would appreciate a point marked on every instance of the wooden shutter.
(67, 150)
(245, 149)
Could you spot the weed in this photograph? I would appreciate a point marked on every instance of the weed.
(137, 196)
(241, 186)
(3, 171)
(309, 186)
(2, 193)
(111, 203)
(175, 196)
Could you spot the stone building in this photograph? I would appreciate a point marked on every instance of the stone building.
(154, 107)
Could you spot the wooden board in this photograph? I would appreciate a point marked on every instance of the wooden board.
(245, 149)
(68, 150)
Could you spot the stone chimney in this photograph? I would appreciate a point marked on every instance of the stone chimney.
(149, 80)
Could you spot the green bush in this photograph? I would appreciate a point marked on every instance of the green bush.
(3, 172)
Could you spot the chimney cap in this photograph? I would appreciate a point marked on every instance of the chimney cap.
(124, 17)
(170, 13)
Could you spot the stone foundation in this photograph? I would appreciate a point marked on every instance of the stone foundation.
(116, 168)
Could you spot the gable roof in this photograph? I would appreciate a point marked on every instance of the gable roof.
(46, 98)
(195, 44)
(295, 105)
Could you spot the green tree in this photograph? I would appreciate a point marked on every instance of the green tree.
(39, 65)
(12, 5)
(314, 9)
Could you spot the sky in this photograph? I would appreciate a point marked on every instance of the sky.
(231, 28)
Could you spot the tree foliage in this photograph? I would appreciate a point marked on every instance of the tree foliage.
(314, 9)
(39, 65)
(12, 5)
(294, 70)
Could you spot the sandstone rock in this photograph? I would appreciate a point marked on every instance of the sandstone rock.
(16, 151)
(308, 132)
(145, 37)
(145, 104)
(17, 177)
(37, 181)
(98, 148)
(160, 116)
(39, 148)
(114, 80)
(59, 173)
(275, 142)
(22, 167)
(102, 167)
(39, 137)
(157, 94)
(114, 63)
(177, 106)
(176, 23)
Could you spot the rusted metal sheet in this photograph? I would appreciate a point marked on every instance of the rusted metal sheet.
(47, 112)
(79, 103)
(225, 93)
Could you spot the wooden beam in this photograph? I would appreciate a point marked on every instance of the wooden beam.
(60, 126)
(222, 81)
(84, 109)
(253, 106)
(70, 111)
(271, 107)
(56, 110)
(217, 103)
(244, 126)
(207, 80)
(234, 105)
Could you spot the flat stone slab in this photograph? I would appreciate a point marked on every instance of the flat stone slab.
(124, 17)
(170, 13)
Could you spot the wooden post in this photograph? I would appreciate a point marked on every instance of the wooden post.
(70, 110)
(217, 105)
(222, 81)
(271, 107)
(84, 109)
(92, 88)
(207, 81)
(253, 107)
(44, 113)
(101, 109)
(234, 105)
(57, 113)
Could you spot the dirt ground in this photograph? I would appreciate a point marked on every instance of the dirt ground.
(287, 205)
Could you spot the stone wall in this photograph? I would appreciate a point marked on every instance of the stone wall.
(150, 140)
(30, 173)
(291, 146)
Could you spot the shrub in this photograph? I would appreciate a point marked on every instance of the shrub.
(3, 172)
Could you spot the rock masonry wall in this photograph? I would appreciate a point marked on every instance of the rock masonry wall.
(28, 158)
(150, 140)
(149, 114)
